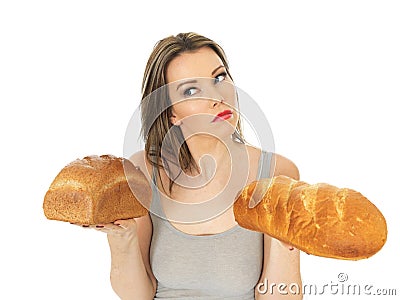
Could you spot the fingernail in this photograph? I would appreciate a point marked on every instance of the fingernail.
(99, 226)
(85, 225)
(291, 248)
(117, 224)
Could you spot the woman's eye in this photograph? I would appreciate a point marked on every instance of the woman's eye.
(190, 91)
(220, 77)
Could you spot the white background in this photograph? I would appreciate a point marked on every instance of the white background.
(325, 73)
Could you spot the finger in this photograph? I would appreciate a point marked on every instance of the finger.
(287, 246)
(80, 225)
(87, 226)
(110, 229)
(102, 229)
(125, 223)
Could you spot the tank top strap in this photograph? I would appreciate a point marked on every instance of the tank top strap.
(155, 206)
(264, 165)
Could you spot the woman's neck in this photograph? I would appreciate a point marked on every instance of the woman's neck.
(209, 152)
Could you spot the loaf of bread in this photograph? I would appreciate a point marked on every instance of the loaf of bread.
(318, 219)
(97, 190)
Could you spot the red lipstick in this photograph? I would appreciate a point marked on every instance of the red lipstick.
(223, 115)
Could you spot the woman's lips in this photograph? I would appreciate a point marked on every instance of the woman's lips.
(224, 115)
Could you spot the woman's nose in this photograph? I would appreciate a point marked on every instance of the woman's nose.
(215, 95)
(215, 103)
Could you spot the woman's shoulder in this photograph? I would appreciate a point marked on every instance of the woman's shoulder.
(284, 166)
(280, 165)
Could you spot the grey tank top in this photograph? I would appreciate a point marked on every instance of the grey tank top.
(225, 265)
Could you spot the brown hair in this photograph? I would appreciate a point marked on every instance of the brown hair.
(164, 143)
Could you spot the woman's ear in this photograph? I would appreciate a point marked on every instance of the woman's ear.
(174, 120)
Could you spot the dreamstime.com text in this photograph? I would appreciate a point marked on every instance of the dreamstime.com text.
(341, 286)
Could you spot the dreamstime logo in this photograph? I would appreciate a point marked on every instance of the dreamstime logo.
(192, 106)
(341, 286)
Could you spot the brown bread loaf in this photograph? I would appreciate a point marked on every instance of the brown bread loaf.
(318, 219)
(95, 190)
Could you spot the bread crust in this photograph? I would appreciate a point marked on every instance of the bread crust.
(97, 190)
(319, 219)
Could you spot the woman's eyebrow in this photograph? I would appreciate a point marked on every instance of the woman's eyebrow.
(182, 83)
(194, 81)
(216, 69)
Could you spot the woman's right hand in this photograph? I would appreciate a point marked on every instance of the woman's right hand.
(120, 231)
(120, 228)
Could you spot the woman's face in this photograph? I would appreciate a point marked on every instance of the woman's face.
(202, 94)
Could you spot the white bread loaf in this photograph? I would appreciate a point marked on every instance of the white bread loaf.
(95, 190)
(318, 219)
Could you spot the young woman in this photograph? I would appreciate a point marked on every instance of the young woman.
(189, 245)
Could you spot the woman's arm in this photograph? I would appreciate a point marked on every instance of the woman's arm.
(131, 276)
(280, 278)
